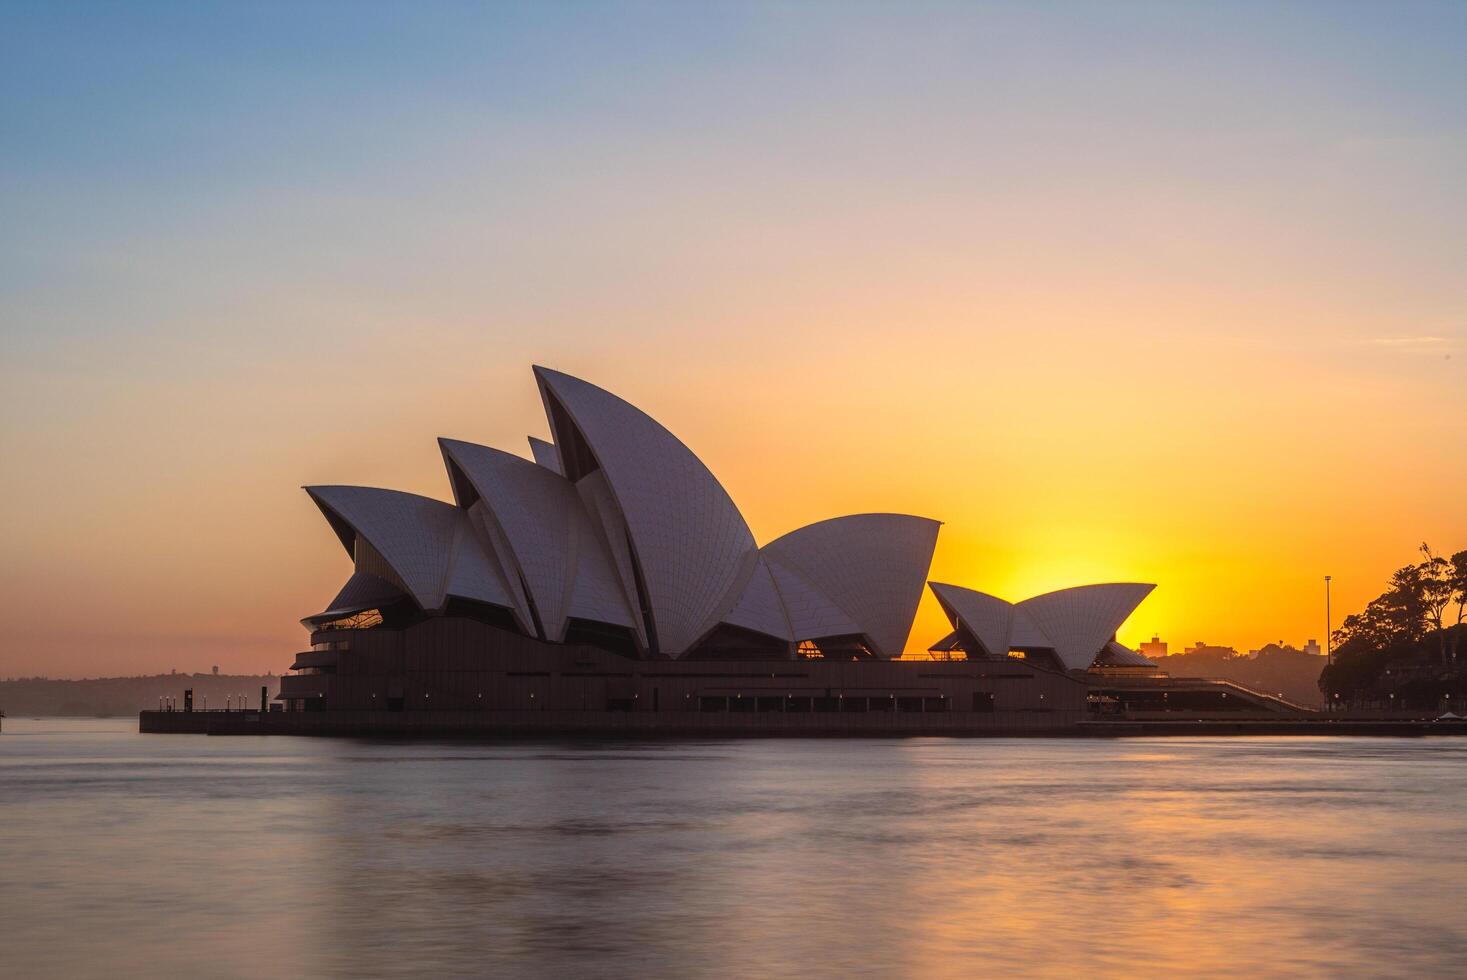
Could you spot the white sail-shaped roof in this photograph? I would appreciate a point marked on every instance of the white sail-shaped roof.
(595, 592)
(545, 454)
(617, 522)
(1025, 634)
(871, 566)
(1077, 624)
(948, 643)
(493, 541)
(361, 592)
(811, 614)
(987, 617)
(429, 545)
(610, 529)
(549, 538)
(531, 505)
(473, 573)
(694, 552)
(1082, 620)
(760, 608)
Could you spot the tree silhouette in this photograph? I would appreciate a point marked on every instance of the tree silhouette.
(1437, 591)
(1457, 577)
(1391, 638)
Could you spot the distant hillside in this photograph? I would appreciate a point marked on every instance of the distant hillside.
(110, 696)
(1274, 670)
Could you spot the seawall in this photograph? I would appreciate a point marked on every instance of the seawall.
(673, 725)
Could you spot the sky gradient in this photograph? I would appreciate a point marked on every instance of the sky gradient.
(1151, 291)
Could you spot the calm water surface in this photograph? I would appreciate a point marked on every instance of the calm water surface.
(127, 855)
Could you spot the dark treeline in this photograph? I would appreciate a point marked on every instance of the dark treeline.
(1402, 650)
(102, 697)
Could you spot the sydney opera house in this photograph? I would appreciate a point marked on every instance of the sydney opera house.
(611, 583)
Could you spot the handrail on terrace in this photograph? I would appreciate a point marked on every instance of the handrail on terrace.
(1171, 679)
(1260, 694)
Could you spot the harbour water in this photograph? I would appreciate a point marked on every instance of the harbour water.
(130, 855)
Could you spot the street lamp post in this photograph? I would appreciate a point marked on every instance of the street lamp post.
(1329, 649)
(1328, 645)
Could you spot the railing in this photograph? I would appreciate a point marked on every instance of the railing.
(1157, 683)
(1258, 694)
(181, 710)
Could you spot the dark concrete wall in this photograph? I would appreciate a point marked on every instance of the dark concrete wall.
(461, 666)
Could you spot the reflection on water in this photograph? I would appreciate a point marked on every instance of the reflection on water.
(126, 854)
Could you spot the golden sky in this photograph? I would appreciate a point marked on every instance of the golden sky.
(1117, 293)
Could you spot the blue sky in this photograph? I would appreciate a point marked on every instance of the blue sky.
(248, 246)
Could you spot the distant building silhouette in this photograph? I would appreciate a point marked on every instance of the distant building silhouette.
(1153, 648)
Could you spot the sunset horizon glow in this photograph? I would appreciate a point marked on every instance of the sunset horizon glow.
(1116, 295)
